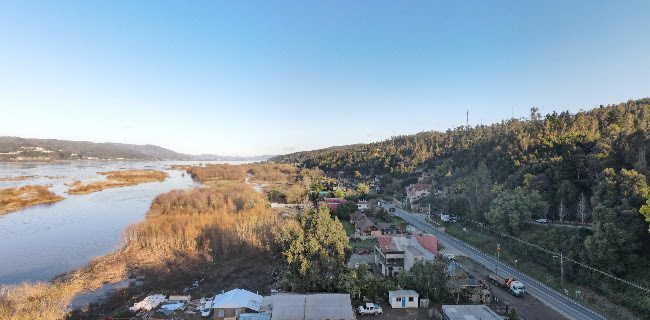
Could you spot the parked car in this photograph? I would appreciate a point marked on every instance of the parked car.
(544, 221)
(449, 256)
(364, 251)
(370, 308)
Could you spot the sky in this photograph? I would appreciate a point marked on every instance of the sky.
(273, 77)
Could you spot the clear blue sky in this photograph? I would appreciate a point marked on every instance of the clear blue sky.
(272, 77)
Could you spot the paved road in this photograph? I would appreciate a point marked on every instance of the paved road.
(547, 295)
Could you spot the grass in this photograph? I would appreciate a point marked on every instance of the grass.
(349, 228)
(14, 199)
(368, 243)
(116, 179)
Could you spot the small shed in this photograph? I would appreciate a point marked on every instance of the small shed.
(403, 298)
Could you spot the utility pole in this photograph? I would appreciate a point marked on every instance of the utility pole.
(561, 256)
(467, 119)
(496, 264)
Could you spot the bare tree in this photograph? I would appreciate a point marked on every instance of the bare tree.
(583, 209)
(562, 211)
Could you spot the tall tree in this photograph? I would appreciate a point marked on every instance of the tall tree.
(315, 249)
(562, 211)
(427, 278)
(583, 209)
(511, 208)
(618, 228)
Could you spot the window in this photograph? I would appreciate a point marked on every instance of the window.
(399, 298)
(221, 314)
(237, 312)
(410, 299)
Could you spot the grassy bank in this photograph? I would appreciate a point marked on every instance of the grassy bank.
(116, 179)
(14, 199)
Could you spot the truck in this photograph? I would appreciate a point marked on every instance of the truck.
(516, 288)
(370, 308)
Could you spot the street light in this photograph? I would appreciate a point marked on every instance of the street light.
(496, 265)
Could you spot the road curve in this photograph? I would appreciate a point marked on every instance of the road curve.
(547, 295)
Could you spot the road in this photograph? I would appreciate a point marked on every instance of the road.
(547, 295)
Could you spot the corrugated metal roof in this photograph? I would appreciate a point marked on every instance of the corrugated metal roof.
(255, 316)
(238, 298)
(401, 293)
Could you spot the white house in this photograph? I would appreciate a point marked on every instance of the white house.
(403, 298)
(363, 205)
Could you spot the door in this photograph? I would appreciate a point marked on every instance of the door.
(403, 302)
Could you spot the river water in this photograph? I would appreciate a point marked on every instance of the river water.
(40, 242)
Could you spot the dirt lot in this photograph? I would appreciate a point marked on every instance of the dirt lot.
(527, 306)
(402, 314)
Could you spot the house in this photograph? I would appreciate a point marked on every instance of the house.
(366, 227)
(230, 305)
(403, 298)
(363, 205)
(463, 312)
(356, 217)
(317, 306)
(417, 191)
(333, 203)
(388, 227)
(394, 254)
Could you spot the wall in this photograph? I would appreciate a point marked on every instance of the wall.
(428, 242)
(409, 304)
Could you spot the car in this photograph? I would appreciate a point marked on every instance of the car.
(449, 256)
(543, 221)
(370, 308)
(364, 251)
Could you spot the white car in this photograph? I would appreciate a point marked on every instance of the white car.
(542, 220)
(370, 308)
(449, 256)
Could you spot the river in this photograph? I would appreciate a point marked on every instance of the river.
(40, 242)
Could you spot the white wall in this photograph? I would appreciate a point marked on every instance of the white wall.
(409, 304)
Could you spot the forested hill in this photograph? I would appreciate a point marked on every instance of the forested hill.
(613, 136)
(592, 163)
(21, 149)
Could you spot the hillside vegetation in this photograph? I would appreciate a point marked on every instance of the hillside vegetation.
(587, 168)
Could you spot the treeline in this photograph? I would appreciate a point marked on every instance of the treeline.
(589, 167)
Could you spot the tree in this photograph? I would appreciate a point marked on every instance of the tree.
(354, 280)
(363, 189)
(296, 194)
(583, 209)
(561, 211)
(346, 209)
(511, 208)
(512, 315)
(277, 195)
(315, 249)
(427, 278)
(617, 227)
(402, 226)
(645, 209)
(339, 193)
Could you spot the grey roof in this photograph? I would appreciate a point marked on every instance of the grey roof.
(287, 306)
(469, 312)
(401, 293)
(237, 298)
(255, 316)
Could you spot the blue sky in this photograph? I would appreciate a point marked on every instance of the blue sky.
(272, 77)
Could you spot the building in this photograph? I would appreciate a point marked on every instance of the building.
(403, 298)
(230, 305)
(464, 312)
(333, 203)
(417, 191)
(363, 205)
(366, 227)
(356, 216)
(318, 306)
(395, 254)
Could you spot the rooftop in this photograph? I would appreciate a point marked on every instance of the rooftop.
(469, 312)
(403, 243)
(289, 306)
(420, 187)
(402, 293)
(237, 298)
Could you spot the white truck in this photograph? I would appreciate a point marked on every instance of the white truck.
(370, 308)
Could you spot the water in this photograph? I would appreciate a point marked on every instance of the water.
(40, 242)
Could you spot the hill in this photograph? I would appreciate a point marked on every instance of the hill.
(22, 149)
(591, 164)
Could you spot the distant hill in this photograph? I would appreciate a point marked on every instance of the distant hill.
(21, 149)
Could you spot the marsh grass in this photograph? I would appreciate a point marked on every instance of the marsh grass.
(116, 179)
(14, 199)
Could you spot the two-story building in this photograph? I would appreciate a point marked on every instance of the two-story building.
(363, 205)
(418, 191)
(396, 254)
